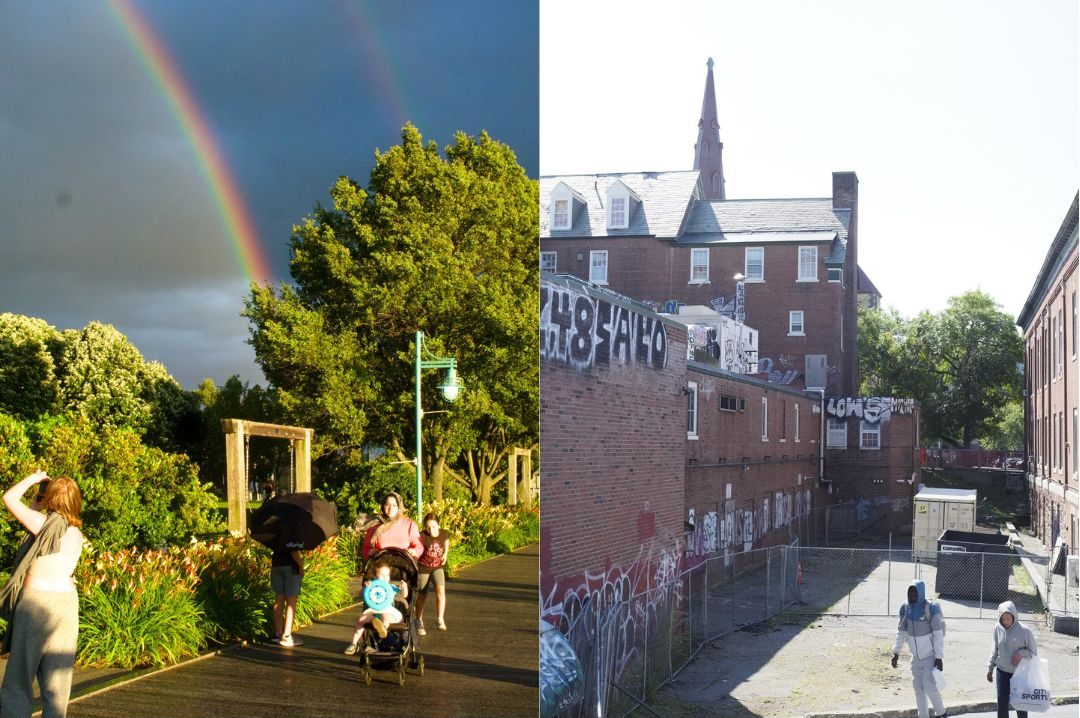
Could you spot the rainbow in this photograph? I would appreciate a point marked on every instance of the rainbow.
(378, 69)
(223, 188)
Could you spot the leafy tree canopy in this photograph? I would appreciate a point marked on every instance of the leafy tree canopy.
(446, 246)
(962, 364)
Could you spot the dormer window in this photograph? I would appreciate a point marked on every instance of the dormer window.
(560, 214)
(566, 204)
(618, 212)
(620, 201)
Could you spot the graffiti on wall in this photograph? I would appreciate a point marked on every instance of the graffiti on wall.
(584, 332)
(786, 374)
(606, 616)
(871, 409)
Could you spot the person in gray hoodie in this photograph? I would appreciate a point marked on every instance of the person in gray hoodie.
(1013, 642)
(922, 627)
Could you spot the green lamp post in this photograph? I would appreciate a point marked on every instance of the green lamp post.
(451, 388)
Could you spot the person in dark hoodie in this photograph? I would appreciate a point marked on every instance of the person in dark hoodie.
(921, 625)
(1013, 642)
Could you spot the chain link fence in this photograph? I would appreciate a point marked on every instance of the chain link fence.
(629, 647)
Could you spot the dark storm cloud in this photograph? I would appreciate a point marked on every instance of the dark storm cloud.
(107, 214)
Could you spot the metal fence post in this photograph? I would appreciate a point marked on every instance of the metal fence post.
(645, 652)
(982, 581)
(768, 579)
(671, 630)
(733, 562)
(888, 584)
(705, 603)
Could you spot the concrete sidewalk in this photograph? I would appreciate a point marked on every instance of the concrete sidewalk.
(486, 664)
(1062, 600)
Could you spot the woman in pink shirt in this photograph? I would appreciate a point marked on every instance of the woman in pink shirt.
(394, 530)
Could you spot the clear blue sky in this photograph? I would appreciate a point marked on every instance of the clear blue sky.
(960, 117)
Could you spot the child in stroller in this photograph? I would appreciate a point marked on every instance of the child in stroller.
(383, 613)
(394, 636)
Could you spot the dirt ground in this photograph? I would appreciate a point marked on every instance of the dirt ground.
(795, 665)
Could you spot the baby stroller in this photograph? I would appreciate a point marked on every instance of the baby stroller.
(399, 648)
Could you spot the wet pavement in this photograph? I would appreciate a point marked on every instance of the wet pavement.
(486, 664)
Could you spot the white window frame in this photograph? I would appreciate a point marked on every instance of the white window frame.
(618, 218)
(796, 328)
(593, 256)
(797, 438)
(764, 418)
(553, 256)
(838, 270)
(760, 277)
(556, 215)
(835, 438)
(696, 264)
(801, 276)
(691, 411)
(866, 430)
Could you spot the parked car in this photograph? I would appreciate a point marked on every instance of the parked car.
(1014, 462)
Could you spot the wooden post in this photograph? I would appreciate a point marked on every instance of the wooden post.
(526, 469)
(235, 475)
(511, 477)
(302, 462)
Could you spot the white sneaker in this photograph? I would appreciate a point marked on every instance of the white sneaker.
(420, 628)
(352, 649)
(290, 641)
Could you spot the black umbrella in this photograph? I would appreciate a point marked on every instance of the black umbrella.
(298, 522)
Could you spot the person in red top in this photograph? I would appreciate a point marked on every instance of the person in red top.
(393, 530)
(432, 569)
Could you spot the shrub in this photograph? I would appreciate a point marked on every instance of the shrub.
(233, 589)
(326, 583)
(137, 608)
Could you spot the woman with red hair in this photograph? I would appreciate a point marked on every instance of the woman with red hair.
(40, 600)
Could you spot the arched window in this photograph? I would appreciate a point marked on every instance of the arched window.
(716, 182)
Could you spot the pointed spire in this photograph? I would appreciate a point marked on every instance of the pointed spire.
(708, 152)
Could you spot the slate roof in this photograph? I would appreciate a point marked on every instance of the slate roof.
(745, 216)
(865, 285)
(665, 199)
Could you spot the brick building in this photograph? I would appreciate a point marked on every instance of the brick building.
(671, 238)
(1050, 321)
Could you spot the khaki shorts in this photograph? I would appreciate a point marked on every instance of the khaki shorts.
(285, 581)
(437, 576)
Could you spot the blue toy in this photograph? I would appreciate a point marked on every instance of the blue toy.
(379, 595)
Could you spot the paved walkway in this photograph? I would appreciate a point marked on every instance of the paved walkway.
(1062, 600)
(486, 664)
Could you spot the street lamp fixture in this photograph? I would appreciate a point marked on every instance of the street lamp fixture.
(451, 388)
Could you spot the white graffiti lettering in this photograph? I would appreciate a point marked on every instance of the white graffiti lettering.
(872, 409)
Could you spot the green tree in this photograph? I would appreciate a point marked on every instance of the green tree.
(446, 246)
(237, 400)
(962, 364)
(1005, 431)
(28, 382)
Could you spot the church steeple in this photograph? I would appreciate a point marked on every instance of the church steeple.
(709, 150)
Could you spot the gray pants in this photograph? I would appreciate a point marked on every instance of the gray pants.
(45, 631)
(922, 678)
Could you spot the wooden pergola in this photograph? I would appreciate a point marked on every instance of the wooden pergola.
(236, 430)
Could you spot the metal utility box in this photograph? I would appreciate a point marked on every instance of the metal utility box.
(974, 565)
(938, 510)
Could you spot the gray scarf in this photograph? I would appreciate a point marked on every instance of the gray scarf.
(47, 541)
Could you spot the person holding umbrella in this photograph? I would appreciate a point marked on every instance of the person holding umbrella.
(288, 525)
(393, 530)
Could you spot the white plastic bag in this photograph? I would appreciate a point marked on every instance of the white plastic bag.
(939, 679)
(1029, 688)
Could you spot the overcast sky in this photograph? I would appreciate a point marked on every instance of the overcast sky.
(106, 213)
(960, 118)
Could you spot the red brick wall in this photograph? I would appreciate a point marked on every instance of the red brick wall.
(729, 451)
(653, 271)
(612, 456)
(883, 476)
